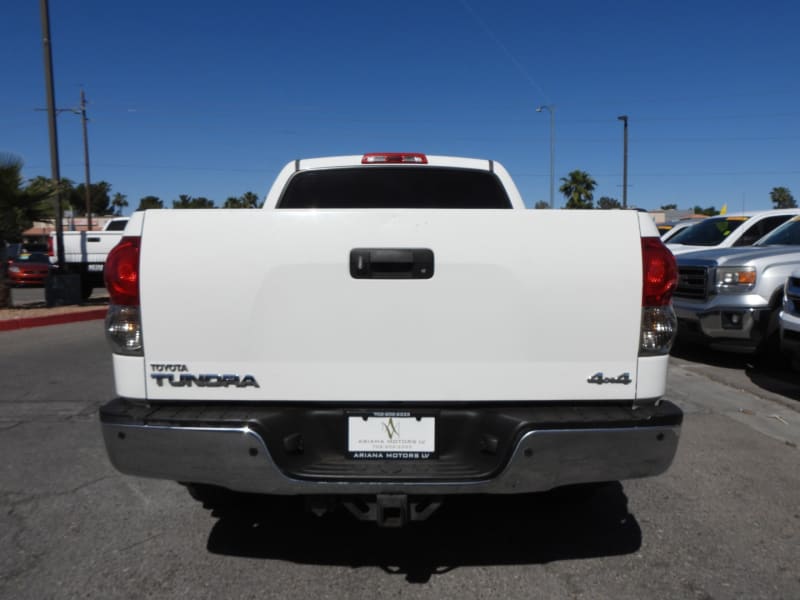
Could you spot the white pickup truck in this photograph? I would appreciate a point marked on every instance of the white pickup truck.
(391, 329)
(85, 252)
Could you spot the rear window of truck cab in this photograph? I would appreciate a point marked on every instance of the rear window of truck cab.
(394, 187)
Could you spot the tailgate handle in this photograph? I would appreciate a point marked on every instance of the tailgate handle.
(391, 263)
(93, 239)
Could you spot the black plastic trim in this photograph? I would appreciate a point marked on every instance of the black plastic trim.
(391, 263)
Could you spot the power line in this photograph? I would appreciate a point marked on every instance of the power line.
(517, 64)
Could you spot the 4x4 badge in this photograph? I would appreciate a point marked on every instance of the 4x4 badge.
(598, 378)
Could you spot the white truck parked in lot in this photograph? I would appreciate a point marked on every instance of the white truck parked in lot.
(735, 230)
(85, 252)
(391, 329)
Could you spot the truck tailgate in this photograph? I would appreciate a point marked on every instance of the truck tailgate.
(522, 305)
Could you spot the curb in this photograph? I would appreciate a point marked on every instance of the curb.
(27, 322)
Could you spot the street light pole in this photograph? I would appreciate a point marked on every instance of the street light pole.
(552, 110)
(624, 119)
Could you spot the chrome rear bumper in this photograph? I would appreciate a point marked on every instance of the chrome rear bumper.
(238, 458)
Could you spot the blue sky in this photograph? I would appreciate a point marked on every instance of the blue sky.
(212, 99)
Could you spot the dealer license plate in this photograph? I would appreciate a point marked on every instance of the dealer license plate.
(391, 436)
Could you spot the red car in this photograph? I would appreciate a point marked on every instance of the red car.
(28, 269)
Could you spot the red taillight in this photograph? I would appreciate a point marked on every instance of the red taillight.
(121, 272)
(659, 271)
(50, 249)
(384, 158)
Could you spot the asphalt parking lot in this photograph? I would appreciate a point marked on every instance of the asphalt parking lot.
(723, 522)
(34, 296)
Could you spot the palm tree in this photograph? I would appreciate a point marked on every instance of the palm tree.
(19, 208)
(577, 189)
(119, 202)
(782, 198)
(250, 200)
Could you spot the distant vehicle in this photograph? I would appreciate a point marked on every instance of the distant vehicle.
(730, 298)
(671, 230)
(729, 231)
(28, 269)
(663, 228)
(9, 250)
(117, 224)
(85, 252)
(789, 319)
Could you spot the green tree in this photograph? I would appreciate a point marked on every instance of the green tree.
(709, 212)
(119, 201)
(150, 202)
(69, 195)
(99, 195)
(186, 201)
(782, 198)
(578, 188)
(541, 204)
(246, 200)
(669, 207)
(607, 203)
(250, 200)
(19, 208)
(44, 185)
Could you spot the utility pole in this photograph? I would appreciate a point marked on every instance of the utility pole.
(624, 119)
(86, 163)
(61, 287)
(81, 110)
(51, 120)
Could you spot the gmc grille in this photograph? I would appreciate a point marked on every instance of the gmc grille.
(692, 282)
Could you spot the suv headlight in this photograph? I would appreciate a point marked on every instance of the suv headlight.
(736, 279)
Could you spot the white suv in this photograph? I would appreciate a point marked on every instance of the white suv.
(729, 231)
